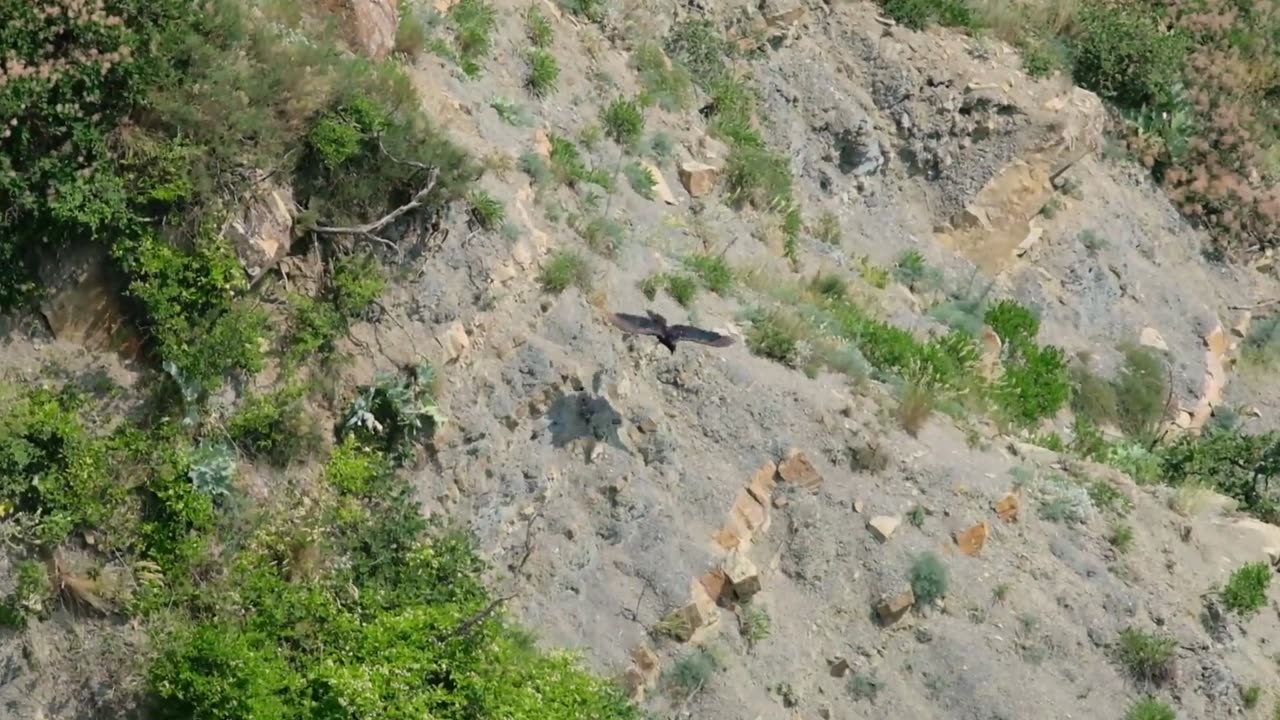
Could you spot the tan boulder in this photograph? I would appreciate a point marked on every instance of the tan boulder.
(1151, 337)
(261, 233)
(661, 190)
(796, 469)
(82, 304)
(742, 574)
(883, 526)
(746, 517)
(698, 178)
(373, 25)
(1007, 507)
(453, 341)
(892, 609)
(971, 541)
(763, 482)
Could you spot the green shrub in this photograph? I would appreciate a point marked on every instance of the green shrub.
(544, 72)
(537, 27)
(274, 427)
(591, 10)
(828, 229)
(1261, 347)
(1138, 462)
(714, 271)
(640, 179)
(1121, 537)
(668, 86)
(188, 303)
(909, 268)
(1240, 466)
(692, 671)
(830, 286)
(1142, 391)
(623, 122)
(51, 469)
(929, 578)
(683, 289)
(1126, 56)
(918, 14)
(485, 210)
(865, 685)
(758, 177)
(1093, 397)
(473, 22)
(1149, 708)
(1246, 591)
(511, 112)
(215, 672)
(353, 469)
(566, 268)
(696, 45)
(1148, 658)
(770, 336)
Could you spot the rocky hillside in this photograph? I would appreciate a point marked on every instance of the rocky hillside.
(315, 408)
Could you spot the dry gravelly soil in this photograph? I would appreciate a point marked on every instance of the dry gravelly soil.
(615, 530)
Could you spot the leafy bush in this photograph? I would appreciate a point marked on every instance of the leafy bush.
(188, 303)
(1014, 322)
(1238, 465)
(929, 578)
(1246, 590)
(918, 14)
(1034, 385)
(1138, 462)
(1148, 658)
(1093, 397)
(695, 45)
(51, 468)
(909, 268)
(1124, 55)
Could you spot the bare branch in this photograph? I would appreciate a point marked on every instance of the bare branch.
(369, 231)
(465, 629)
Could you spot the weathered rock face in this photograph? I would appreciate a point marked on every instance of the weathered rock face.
(373, 26)
(996, 221)
(263, 232)
(82, 304)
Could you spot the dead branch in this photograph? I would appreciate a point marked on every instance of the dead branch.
(1255, 306)
(369, 231)
(465, 629)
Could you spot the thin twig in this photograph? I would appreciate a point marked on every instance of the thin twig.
(689, 698)
(1255, 306)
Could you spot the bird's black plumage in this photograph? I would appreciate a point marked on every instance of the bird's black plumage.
(656, 325)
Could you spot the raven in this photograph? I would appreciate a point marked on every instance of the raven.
(668, 335)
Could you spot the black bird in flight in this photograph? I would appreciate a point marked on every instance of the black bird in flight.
(668, 335)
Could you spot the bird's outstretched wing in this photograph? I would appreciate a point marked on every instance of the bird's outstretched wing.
(635, 324)
(698, 335)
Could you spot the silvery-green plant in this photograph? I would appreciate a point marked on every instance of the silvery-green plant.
(190, 390)
(396, 409)
(212, 468)
(1062, 500)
